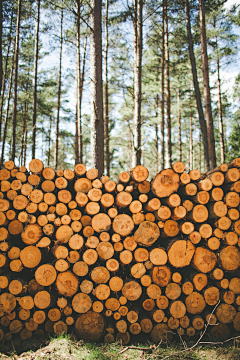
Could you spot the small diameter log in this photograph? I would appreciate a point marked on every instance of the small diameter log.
(81, 303)
(42, 299)
(211, 295)
(163, 213)
(45, 275)
(110, 186)
(180, 253)
(187, 288)
(199, 214)
(195, 237)
(82, 185)
(116, 284)
(31, 234)
(216, 194)
(30, 256)
(232, 175)
(204, 260)
(105, 250)
(67, 284)
(158, 256)
(147, 233)
(161, 275)
(165, 183)
(161, 332)
(187, 228)
(102, 292)
(173, 291)
(144, 187)
(213, 243)
(139, 173)
(195, 303)
(124, 338)
(123, 224)
(100, 275)
(132, 290)
(170, 229)
(225, 313)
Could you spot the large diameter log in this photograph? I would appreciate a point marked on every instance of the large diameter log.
(123, 224)
(229, 258)
(147, 233)
(204, 260)
(180, 253)
(165, 183)
(220, 332)
(132, 290)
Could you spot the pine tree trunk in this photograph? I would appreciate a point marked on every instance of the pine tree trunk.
(14, 122)
(25, 141)
(107, 153)
(190, 143)
(1, 67)
(23, 131)
(200, 153)
(162, 100)
(207, 96)
(79, 124)
(221, 133)
(194, 142)
(35, 82)
(80, 106)
(169, 142)
(76, 115)
(138, 6)
(179, 127)
(49, 140)
(156, 134)
(59, 91)
(7, 111)
(97, 126)
(5, 74)
(196, 86)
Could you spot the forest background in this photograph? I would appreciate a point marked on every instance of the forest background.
(150, 112)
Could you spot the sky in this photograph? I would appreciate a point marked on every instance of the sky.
(51, 44)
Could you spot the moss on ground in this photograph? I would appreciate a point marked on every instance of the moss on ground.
(67, 348)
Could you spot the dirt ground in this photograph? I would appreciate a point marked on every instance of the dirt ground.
(67, 348)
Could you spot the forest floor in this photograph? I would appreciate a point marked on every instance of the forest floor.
(67, 348)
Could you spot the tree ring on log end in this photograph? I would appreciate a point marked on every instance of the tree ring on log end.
(90, 326)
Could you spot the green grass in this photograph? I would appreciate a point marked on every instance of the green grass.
(67, 348)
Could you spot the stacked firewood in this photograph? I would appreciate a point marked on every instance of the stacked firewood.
(112, 260)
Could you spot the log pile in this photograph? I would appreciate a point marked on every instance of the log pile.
(115, 260)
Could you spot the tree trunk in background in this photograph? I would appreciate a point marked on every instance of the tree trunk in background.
(196, 86)
(76, 115)
(138, 8)
(220, 119)
(23, 132)
(14, 122)
(107, 153)
(156, 134)
(190, 143)
(79, 125)
(194, 142)
(5, 73)
(25, 141)
(35, 82)
(7, 111)
(49, 140)
(200, 153)
(59, 91)
(169, 141)
(1, 66)
(207, 96)
(97, 126)
(80, 100)
(179, 128)
(162, 100)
